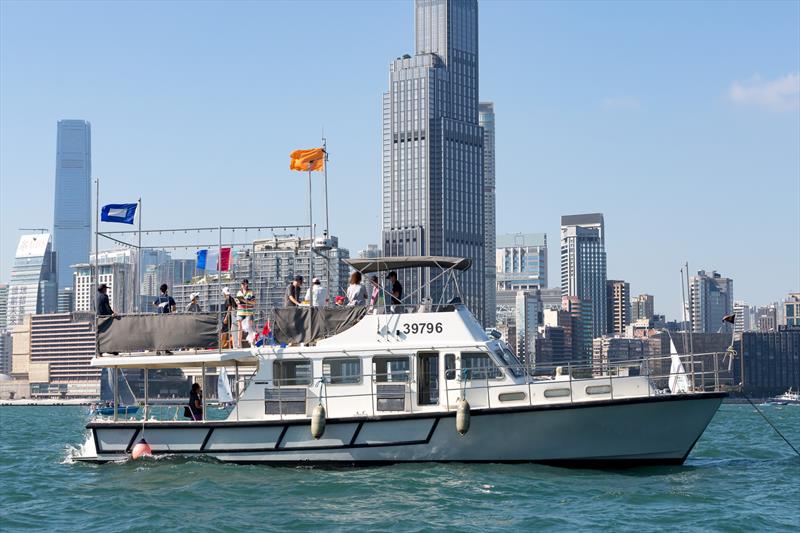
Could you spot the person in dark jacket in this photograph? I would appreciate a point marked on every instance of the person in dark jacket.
(103, 304)
(196, 402)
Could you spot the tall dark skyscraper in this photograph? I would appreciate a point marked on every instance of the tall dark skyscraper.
(72, 214)
(583, 266)
(433, 186)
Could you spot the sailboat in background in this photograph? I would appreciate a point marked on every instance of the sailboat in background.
(224, 394)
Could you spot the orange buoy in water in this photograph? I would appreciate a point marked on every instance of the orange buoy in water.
(141, 449)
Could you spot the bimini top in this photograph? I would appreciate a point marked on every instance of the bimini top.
(378, 264)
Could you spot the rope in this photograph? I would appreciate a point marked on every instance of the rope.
(771, 424)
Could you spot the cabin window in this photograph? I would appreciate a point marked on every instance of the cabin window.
(291, 373)
(511, 396)
(449, 366)
(391, 369)
(341, 371)
(556, 393)
(598, 389)
(510, 361)
(478, 365)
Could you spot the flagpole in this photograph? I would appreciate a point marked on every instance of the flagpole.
(138, 296)
(310, 230)
(95, 278)
(327, 227)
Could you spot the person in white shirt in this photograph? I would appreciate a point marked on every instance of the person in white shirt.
(317, 295)
(356, 293)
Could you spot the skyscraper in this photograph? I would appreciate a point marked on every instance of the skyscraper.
(642, 306)
(583, 265)
(32, 289)
(433, 186)
(72, 213)
(486, 120)
(710, 299)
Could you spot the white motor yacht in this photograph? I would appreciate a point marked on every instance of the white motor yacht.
(789, 397)
(420, 383)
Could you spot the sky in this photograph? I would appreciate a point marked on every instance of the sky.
(679, 121)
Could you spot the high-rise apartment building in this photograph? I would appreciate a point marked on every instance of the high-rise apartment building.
(33, 288)
(521, 261)
(618, 306)
(433, 184)
(744, 320)
(72, 211)
(791, 309)
(528, 311)
(642, 307)
(583, 266)
(766, 318)
(710, 299)
(486, 120)
(580, 312)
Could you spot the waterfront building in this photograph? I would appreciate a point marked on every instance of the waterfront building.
(607, 350)
(117, 276)
(710, 299)
(486, 120)
(521, 261)
(5, 352)
(53, 352)
(642, 306)
(583, 266)
(553, 346)
(744, 320)
(433, 184)
(791, 309)
(770, 361)
(618, 306)
(72, 211)
(370, 252)
(33, 288)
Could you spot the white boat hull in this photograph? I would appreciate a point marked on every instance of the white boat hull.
(649, 430)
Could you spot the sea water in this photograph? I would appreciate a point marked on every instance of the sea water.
(740, 477)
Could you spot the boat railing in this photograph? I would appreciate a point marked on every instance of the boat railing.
(398, 390)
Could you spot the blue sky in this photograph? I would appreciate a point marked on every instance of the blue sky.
(679, 121)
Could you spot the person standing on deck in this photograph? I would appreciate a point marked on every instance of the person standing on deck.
(229, 307)
(246, 303)
(164, 303)
(317, 295)
(395, 288)
(103, 303)
(292, 296)
(356, 293)
(194, 304)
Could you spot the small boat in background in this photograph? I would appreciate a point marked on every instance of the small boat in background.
(787, 398)
(121, 410)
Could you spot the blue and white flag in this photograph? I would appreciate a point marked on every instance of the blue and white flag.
(118, 213)
(202, 255)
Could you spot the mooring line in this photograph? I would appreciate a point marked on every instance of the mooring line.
(771, 424)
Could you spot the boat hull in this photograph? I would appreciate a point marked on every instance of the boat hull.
(623, 432)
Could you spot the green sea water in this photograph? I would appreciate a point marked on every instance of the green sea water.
(740, 477)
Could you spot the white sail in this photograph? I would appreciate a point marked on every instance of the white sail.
(224, 394)
(678, 383)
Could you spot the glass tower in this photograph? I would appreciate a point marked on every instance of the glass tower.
(72, 216)
(433, 186)
(32, 289)
(583, 265)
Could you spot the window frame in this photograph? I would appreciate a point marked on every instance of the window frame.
(281, 381)
(499, 376)
(328, 378)
(387, 358)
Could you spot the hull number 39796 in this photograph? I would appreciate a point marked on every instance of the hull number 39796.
(416, 328)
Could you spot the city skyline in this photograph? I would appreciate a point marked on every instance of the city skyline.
(743, 113)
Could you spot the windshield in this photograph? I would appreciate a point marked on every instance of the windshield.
(509, 360)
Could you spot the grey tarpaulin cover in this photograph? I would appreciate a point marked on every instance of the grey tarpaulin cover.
(294, 325)
(135, 333)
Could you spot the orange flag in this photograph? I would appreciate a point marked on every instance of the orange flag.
(305, 160)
